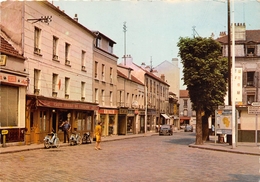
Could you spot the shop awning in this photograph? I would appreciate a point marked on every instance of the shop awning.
(165, 116)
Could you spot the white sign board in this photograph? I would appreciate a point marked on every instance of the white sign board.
(256, 104)
(253, 110)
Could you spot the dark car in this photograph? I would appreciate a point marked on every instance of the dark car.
(188, 128)
(166, 130)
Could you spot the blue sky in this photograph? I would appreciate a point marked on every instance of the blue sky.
(154, 26)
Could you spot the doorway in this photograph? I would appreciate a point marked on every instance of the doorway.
(54, 122)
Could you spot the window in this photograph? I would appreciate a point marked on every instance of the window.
(9, 105)
(54, 84)
(103, 72)
(96, 68)
(111, 75)
(250, 78)
(43, 120)
(98, 42)
(185, 112)
(103, 97)
(83, 121)
(120, 98)
(36, 81)
(67, 49)
(127, 99)
(83, 87)
(185, 103)
(151, 86)
(250, 98)
(96, 95)
(83, 55)
(110, 47)
(37, 39)
(67, 84)
(111, 98)
(250, 50)
(55, 47)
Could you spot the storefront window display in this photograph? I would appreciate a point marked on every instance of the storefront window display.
(43, 121)
(83, 121)
(9, 105)
(111, 124)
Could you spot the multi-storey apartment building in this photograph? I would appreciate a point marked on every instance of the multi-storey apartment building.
(59, 61)
(187, 115)
(171, 71)
(13, 82)
(156, 93)
(105, 81)
(247, 64)
(130, 101)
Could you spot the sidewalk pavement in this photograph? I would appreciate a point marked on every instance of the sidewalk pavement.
(241, 148)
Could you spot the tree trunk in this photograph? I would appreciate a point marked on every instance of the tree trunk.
(199, 127)
(205, 128)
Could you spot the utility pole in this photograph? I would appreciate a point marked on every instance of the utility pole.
(229, 55)
(124, 29)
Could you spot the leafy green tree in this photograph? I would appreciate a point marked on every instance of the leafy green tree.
(205, 73)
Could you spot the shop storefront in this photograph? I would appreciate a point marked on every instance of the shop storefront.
(151, 120)
(12, 102)
(131, 129)
(109, 119)
(45, 114)
(141, 122)
(122, 121)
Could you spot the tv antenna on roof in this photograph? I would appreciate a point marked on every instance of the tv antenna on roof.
(195, 32)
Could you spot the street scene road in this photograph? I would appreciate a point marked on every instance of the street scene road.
(153, 158)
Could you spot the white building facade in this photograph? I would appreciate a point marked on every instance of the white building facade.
(59, 53)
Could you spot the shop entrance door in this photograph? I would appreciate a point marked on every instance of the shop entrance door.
(54, 123)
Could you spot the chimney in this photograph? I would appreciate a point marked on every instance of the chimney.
(76, 17)
(222, 34)
(240, 31)
(163, 77)
(175, 61)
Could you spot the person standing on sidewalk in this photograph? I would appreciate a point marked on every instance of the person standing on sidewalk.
(98, 133)
(66, 128)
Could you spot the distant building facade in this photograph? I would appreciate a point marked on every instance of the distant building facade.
(130, 101)
(105, 83)
(187, 115)
(156, 94)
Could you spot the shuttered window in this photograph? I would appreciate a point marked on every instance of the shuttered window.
(8, 106)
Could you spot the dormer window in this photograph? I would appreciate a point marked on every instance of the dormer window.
(98, 42)
(110, 47)
(250, 50)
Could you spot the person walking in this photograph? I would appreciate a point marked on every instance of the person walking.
(98, 133)
(66, 128)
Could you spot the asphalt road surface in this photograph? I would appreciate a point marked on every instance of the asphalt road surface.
(153, 158)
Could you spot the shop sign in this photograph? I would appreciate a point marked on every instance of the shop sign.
(3, 60)
(141, 112)
(4, 132)
(107, 111)
(123, 111)
(8, 78)
(65, 105)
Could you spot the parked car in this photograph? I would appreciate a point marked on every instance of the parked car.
(188, 128)
(166, 130)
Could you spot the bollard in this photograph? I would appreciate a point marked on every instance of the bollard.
(4, 133)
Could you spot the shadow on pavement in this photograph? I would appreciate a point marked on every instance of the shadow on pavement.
(243, 177)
